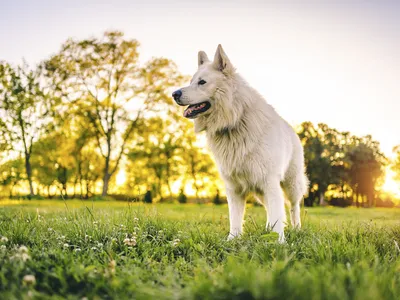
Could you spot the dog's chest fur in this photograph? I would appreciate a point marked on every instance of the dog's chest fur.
(232, 149)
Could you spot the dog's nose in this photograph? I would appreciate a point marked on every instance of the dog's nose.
(177, 95)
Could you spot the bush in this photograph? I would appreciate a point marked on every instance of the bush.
(182, 197)
(148, 198)
(217, 199)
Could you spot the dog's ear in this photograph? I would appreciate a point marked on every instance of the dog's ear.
(202, 58)
(222, 62)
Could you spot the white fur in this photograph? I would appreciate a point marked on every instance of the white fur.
(255, 149)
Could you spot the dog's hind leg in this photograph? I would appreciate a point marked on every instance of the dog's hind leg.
(295, 186)
(275, 205)
(237, 206)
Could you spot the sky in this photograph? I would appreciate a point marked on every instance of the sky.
(336, 62)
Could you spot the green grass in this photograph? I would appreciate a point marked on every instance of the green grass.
(181, 252)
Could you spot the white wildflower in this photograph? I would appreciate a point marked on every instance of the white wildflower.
(23, 249)
(78, 250)
(130, 241)
(176, 242)
(29, 279)
(4, 239)
(25, 257)
(65, 245)
(3, 247)
(22, 254)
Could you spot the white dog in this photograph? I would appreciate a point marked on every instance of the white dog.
(255, 149)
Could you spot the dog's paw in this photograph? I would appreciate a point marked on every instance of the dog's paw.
(281, 239)
(232, 236)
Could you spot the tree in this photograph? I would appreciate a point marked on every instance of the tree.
(11, 174)
(323, 158)
(396, 163)
(156, 149)
(24, 109)
(104, 77)
(366, 167)
(54, 161)
(199, 164)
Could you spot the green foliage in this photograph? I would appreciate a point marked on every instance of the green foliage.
(134, 251)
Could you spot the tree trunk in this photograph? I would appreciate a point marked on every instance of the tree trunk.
(193, 171)
(80, 179)
(75, 183)
(64, 190)
(81, 187)
(28, 169)
(107, 175)
(322, 199)
(370, 197)
(11, 191)
(197, 193)
(87, 189)
(169, 189)
(106, 180)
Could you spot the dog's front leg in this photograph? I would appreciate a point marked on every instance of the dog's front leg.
(237, 206)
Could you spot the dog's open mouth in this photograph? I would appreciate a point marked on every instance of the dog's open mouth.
(193, 110)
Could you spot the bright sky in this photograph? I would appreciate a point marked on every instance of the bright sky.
(336, 62)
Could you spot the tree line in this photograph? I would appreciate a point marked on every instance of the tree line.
(92, 110)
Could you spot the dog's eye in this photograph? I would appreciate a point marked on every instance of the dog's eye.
(201, 82)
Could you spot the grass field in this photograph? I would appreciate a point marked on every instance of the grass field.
(116, 250)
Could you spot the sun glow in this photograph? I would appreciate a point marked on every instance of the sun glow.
(121, 178)
(391, 185)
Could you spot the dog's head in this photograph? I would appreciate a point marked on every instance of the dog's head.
(210, 89)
